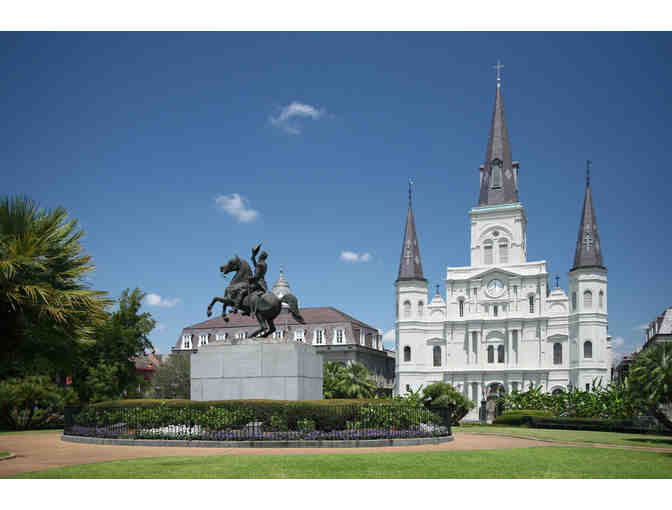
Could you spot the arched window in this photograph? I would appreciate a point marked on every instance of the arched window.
(531, 300)
(407, 353)
(407, 309)
(601, 300)
(573, 300)
(487, 252)
(436, 351)
(460, 303)
(420, 308)
(491, 354)
(503, 251)
(557, 354)
(500, 354)
(495, 310)
(496, 169)
(558, 391)
(587, 349)
(587, 300)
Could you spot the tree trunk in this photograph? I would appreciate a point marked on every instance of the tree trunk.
(660, 416)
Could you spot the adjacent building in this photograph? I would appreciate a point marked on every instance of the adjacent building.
(498, 325)
(659, 330)
(334, 334)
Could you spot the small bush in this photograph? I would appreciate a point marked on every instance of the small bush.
(520, 417)
(32, 402)
(440, 394)
(305, 425)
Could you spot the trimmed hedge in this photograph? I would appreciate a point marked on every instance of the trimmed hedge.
(279, 415)
(518, 418)
(544, 420)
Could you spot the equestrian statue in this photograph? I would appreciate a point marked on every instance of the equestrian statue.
(248, 293)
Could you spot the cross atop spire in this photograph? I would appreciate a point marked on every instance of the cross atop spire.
(410, 183)
(588, 162)
(499, 68)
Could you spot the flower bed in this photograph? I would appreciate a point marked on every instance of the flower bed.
(268, 422)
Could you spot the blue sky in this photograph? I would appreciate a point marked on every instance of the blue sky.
(177, 150)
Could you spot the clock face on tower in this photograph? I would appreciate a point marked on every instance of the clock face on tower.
(495, 288)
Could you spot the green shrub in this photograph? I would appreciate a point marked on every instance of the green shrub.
(277, 422)
(32, 402)
(519, 417)
(305, 425)
(441, 394)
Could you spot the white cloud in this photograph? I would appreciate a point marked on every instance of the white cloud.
(640, 328)
(156, 300)
(617, 341)
(286, 119)
(160, 326)
(236, 206)
(388, 339)
(351, 256)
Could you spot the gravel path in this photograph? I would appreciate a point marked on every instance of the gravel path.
(38, 451)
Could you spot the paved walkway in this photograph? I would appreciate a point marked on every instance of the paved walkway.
(38, 451)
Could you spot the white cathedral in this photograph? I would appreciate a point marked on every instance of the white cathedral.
(500, 327)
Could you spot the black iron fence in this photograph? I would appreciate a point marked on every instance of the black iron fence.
(258, 423)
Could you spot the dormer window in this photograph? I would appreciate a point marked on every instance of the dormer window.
(588, 240)
(496, 174)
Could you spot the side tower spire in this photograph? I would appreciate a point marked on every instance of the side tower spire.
(588, 249)
(410, 265)
(499, 173)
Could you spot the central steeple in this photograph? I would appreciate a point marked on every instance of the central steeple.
(499, 173)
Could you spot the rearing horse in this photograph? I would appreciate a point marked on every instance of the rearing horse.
(265, 306)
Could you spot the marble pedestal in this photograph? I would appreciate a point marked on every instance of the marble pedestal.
(277, 371)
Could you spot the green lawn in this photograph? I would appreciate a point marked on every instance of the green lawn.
(573, 436)
(537, 462)
(48, 431)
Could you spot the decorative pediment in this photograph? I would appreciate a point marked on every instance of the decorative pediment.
(496, 271)
(436, 341)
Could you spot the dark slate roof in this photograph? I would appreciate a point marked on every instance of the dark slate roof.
(410, 265)
(588, 248)
(318, 315)
(499, 147)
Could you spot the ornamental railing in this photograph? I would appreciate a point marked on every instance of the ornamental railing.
(255, 423)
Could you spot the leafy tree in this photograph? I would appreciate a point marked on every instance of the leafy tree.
(650, 380)
(173, 377)
(46, 309)
(106, 369)
(351, 381)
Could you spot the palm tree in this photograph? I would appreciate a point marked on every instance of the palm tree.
(650, 380)
(355, 382)
(45, 307)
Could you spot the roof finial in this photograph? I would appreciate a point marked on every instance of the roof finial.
(588, 162)
(437, 290)
(410, 182)
(499, 67)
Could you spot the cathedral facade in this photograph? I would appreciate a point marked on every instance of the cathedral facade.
(500, 327)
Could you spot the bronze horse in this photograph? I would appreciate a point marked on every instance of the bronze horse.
(265, 306)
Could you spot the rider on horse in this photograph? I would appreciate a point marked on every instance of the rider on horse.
(255, 283)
